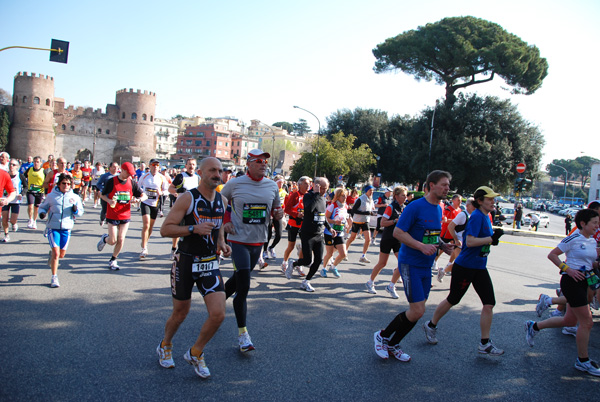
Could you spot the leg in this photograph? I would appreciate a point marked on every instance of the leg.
(383, 259)
(120, 238)
(54, 260)
(367, 234)
(215, 305)
(181, 309)
(341, 248)
(146, 229)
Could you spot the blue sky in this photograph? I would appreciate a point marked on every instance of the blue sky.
(256, 59)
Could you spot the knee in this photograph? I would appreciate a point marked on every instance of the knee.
(217, 317)
(586, 323)
(416, 312)
(488, 308)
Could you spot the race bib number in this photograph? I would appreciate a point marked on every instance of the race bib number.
(206, 264)
(35, 189)
(485, 251)
(338, 228)
(122, 197)
(76, 181)
(431, 236)
(152, 193)
(254, 214)
(319, 218)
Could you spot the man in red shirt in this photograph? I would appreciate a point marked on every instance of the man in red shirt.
(86, 172)
(7, 190)
(294, 208)
(119, 192)
(449, 213)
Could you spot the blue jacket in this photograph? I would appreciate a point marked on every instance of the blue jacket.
(59, 207)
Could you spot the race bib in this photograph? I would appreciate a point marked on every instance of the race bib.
(319, 218)
(431, 236)
(205, 264)
(35, 189)
(76, 181)
(338, 228)
(485, 251)
(254, 214)
(152, 193)
(122, 197)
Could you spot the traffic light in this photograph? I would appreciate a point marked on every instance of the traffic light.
(59, 52)
(526, 184)
(518, 184)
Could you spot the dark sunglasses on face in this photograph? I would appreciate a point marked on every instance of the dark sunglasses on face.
(65, 183)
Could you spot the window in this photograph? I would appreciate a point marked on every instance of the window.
(47, 102)
(219, 152)
(24, 99)
(63, 127)
(198, 143)
(72, 128)
(107, 131)
(99, 131)
(36, 101)
(123, 116)
(188, 142)
(220, 143)
(144, 117)
(134, 116)
(226, 144)
(208, 143)
(151, 118)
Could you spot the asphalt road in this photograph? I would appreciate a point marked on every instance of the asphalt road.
(94, 338)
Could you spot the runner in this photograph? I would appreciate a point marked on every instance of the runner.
(119, 192)
(48, 164)
(113, 170)
(311, 235)
(26, 165)
(456, 229)
(97, 172)
(184, 181)
(577, 276)
(61, 205)
(202, 210)
(294, 208)
(471, 267)
(338, 217)
(254, 199)
(12, 208)
(86, 170)
(418, 229)
(381, 205)
(277, 225)
(77, 174)
(52, 176)
(450, 212)
(35, 190)
(361, 211)
(388, 243)
(154, 185)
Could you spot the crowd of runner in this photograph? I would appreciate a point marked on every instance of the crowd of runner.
(214, 213)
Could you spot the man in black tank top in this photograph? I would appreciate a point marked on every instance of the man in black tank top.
(201, 211)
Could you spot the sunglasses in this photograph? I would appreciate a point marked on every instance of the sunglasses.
(260, 161)
(66, 183)
(155, 164)
(14, 164)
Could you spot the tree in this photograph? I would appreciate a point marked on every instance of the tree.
(289, 127)
(578, 168)
(5, 98)
(4, 128)
(337, 156)
(301, 127)
(463, 51)
(480, 141)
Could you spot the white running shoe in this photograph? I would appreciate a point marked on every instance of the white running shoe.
(289, 269)
(557, 313)
(381, 345)
(6, 238)
(430, 333)
(265, 256)
(530, 332)
(113, 265)
(440, 274)
(272, 254)
(102, 243)
(489, 349)
(34, 225)
(172, 256)
(15, 227)
(284, 267)
(165, 355)
(300, 271)
(570, 331)
(397, 352)
(245, 342)
(364, 259)
(54, 282)
(198, 362)
(370, 287)
(305, 285)
(261, 263)
(144, 253)
(391, 289)
(590, 367)
(595, 304)
(544, 301)
(30, 224)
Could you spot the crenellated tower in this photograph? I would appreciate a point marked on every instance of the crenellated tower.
(32, 129)
(135, 130)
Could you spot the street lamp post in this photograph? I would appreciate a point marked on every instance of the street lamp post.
(566, 179)
(318, 137)
(431, 137)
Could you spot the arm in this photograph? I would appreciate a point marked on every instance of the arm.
(473, 241)
(171, 226)
(385, 219)
(405, 238)
(452, 231)
(576, 274)
(222, 246)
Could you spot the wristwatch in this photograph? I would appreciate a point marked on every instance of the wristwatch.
(191, 229)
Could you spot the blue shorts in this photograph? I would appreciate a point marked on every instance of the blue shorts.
(417, 282)
(59, 238)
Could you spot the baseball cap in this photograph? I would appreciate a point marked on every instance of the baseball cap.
(128, 167)
(153, 161)
(388, 189)
(77, 162)
(367, 188)
(255, 153)
(227, 169)
(485, 191)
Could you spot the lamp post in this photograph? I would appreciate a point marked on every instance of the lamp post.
(318, 137)
(431, 137)
(566, 178)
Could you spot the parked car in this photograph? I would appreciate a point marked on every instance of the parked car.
(508, 215)
(544, 220)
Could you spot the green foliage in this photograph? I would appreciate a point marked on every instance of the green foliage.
(280, 145)
(301, 127)
(289, 127)
(4, 128)
(579, 168)
(337, 156)
(5, 97)
(462, 51)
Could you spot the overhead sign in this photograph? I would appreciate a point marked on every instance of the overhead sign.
(521, 167)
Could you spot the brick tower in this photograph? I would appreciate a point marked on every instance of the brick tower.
(135, 130)
(32, 131)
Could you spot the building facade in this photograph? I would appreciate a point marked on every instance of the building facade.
(166, 133)
(594, 194)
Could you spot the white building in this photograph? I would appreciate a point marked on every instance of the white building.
(594, 193)
(166, 132)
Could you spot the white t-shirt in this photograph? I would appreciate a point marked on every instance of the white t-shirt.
(154, 186)
(460, 220)
(581, 252)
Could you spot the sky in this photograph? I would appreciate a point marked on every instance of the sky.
(257, 59)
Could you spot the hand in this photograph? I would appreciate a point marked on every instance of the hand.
(224, 249)
(3, 201)
(333, 233)
(447, 247)
(204, 228)
(42, 215)
(576, 274)
(229, 228)
(429, 249)
(278, 213)
(496, 236)
(112, 203)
